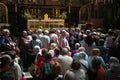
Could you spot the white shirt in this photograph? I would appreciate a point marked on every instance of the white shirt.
(19, 70)
(65, 62)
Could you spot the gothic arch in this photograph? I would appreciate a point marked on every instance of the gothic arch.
(84, 13)
(3, 13)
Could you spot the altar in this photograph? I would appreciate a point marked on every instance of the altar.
(52, 23)
(49, 23)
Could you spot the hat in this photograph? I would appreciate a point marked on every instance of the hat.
(6, 59)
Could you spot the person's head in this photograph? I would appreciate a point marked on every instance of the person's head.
(68, 48)
(46, 32)
(77, 30)
(63, 33)
(88, 31)
(5, 61)
(65, 51)
(56, 69)
(110, 32)
(82, 49)
(36, 49)
(101, 42)
(82, 55)
(6, 32)
(113, 60)
(58, 32)
(53, 45)
(95, 52)
(44, 51)
(30, 32)
(72, 30)
(76, 65)
(57, 51)
(34, 36)
(93, 30)
(102, 36)
(77, 45)
(39, 31)
(115, 68)
(24, 33)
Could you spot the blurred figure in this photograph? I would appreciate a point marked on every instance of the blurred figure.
(15, 64)
(83, 62)
(113, 72)
(56, 72)
(91, 71)
(52, 47)
(47, 66)
(5, 41)
(100, 72)
(77, 45)
(81, 50)
(95, 53)
(56, 54)
(89, 44)
(39, 33)
(22, 44)
(34, 42)
(108, 39)
(7, 71)
(39, 61)
(103, 50)
(65, 60)
(45, 39)
(76, 72)
(63, 42)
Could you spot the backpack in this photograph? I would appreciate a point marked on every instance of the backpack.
(46, 70)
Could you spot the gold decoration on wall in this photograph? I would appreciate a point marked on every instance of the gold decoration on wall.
(83, 11)
(45, 16)
(6, 12)
(56, 12)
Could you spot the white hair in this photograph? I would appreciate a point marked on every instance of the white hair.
(37, 47)
(82, 49)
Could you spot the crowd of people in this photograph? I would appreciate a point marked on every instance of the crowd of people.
(61, 54)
